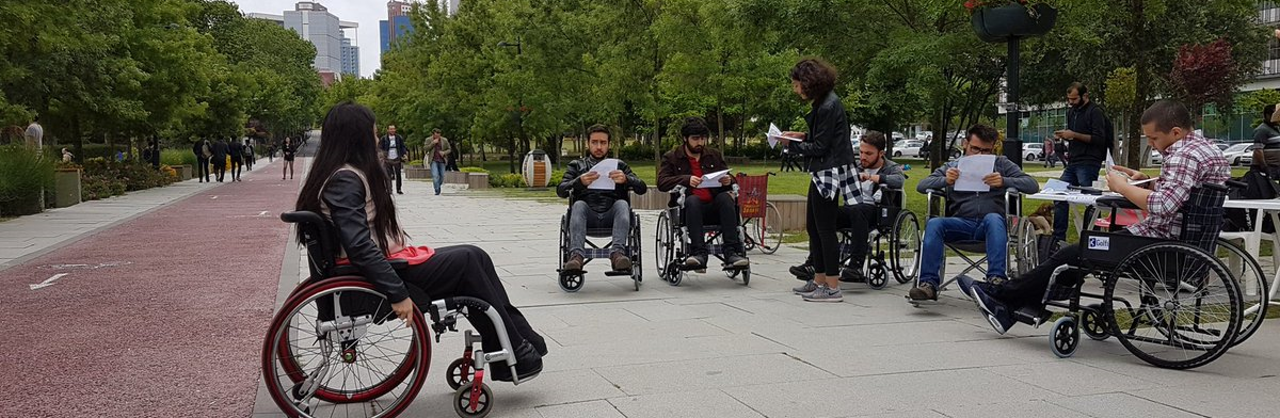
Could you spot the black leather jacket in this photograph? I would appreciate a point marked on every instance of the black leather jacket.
(827, 143)
(598, 200)
(345, 196)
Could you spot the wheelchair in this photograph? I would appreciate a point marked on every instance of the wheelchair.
(894, 243)
(1020, 258)
(335, 348)
(572, 281)
(672, 242)
(1171, 303)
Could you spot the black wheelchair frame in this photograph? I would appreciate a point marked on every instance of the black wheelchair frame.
(671, 227)
(892, 218)
(572, 281)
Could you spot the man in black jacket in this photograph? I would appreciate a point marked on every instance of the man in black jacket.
(599, 208)
(236, 152)
(1088, 137)
(393, 147)
(202, 151)
(220, 159)
(686, 166)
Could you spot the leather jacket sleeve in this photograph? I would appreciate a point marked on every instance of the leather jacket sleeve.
(345, 196)
(667, 177)
(822, 133)
(570, 180)
(634, 182)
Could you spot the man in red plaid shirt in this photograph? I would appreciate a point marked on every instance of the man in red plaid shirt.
(1189, 161)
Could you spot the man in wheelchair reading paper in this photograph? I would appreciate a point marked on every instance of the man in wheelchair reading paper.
(1190, 161)
(685, 167)
(594, 207)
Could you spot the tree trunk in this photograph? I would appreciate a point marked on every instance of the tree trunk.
(1142, 84)
(720, 123)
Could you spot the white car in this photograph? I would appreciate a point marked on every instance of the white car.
(1239, 154)
(1156, 158)
(1033, 152)
(907, 149)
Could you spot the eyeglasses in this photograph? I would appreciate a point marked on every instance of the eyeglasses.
(981, 151)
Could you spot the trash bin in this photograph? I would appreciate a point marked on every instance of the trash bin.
(537, 169)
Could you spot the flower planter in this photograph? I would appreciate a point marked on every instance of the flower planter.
(477, 181)
(184, 171)
(999, 24)
(416, 172)
(66, 187)
(455, 177)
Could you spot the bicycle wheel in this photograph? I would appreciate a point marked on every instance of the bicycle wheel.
(768, 235)
(1188, 307)
(1255, 289)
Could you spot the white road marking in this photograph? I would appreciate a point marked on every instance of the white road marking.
(47, 282)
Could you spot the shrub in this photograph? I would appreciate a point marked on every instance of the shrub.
(472, 170)
(23, 175)
(176, 156)
(102, 178)
(101, 151)
(556, 177)
(508, 180)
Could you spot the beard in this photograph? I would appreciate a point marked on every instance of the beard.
(693, 149)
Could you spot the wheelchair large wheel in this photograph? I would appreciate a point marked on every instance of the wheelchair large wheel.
(766, 232)
(1026, 254)
(1256, 290)
(637, 258)
(1173, 305)
(663, 246)
(564, 241)
(336, 343)
(904, 247)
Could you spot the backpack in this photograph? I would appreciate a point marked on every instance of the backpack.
(1258, 185)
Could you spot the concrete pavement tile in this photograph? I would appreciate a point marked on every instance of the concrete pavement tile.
(605, 333)
(688, 375)
(885, 394)
(1121, 405)
(699, 404)
(592, 409)
(1031, 408)
(907, 414)
(1243, 398)
(917, 357)
(549, 388)
(657, 350)
(1071, 378)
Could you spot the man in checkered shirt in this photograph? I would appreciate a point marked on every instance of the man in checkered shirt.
(1189, 161)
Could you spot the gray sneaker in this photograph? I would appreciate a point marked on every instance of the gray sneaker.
(806, 288)
(824, 294)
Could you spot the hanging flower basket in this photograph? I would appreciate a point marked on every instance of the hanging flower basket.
(999, 24)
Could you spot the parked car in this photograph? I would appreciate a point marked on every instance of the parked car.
(1155, 158)
(907, 149)
(1239, 154)
(1032, 152)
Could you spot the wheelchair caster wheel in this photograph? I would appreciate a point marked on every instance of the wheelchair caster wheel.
(877, 277)
(1064, 337)
(1093, 324)
(746, 277)
(571, 283)
(459, 373)
(469, 401)
(674, 275)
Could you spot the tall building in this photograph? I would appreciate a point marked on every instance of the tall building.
(335, 53)
(397, 24)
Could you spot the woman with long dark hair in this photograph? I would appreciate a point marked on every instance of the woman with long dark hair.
(828, 154)
(338, 187)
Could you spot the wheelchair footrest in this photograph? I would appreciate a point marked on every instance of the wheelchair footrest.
(1032, 316)
(612, 273)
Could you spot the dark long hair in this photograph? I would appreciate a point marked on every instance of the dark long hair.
(816, 77)
(347, 138)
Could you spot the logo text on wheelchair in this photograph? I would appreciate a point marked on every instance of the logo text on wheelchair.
(1100, 243)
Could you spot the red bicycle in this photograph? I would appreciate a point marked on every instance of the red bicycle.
(761, 220)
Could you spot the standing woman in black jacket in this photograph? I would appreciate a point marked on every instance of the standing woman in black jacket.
(338, 187)
(828, 155)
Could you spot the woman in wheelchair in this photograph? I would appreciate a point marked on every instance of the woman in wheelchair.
(1190, 161)
(368, 231)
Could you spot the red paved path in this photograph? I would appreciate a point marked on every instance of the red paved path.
(174, 332)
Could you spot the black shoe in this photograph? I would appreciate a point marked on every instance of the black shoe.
(695, 262)
(399, 192)
(528, 364)
(803, 272)
(735, 261)
(852, 275)
(924, 292)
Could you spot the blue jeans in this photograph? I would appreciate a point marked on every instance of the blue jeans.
(437, 175)
(582, 217)
(938, 231)
(1075, 175)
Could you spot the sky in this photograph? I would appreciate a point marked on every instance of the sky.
(365, 12)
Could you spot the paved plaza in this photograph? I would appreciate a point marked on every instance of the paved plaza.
(708, 348)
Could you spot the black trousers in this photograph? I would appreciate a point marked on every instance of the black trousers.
(723, 210)
(236, 164)
(466, 270)
(860, 218)
(1028, 289)
(202, 168)
(820, 221)
(219, 167)
(393, 171)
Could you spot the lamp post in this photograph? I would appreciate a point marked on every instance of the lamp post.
(520, 110)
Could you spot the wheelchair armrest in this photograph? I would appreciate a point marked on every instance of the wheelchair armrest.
(302, 216)
(679, 192)
(1236, 184)
(1223, 187)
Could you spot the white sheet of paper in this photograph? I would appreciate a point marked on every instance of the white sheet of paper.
(775, 135)
(1055, 186)
(1110, 161)
(972, 169)
(711, 181)
(604, 168)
